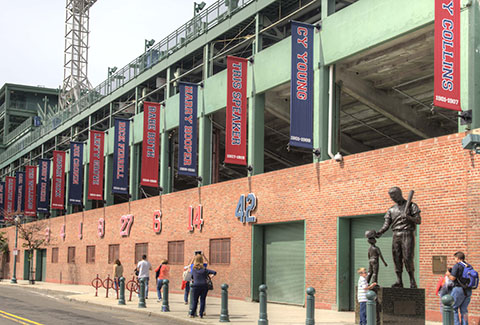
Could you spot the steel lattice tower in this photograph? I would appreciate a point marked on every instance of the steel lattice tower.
(75, 80)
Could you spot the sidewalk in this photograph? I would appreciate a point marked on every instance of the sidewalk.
(239, 311)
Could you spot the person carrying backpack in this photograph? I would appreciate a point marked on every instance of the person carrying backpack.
(464, 278)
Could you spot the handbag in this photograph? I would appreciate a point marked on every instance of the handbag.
(209, 283)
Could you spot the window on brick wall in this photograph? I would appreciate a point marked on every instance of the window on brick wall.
(220, 251)
(71, 255)
(175, 252)
(140, 250)
(7, 257)
(113, 253)
(55, 255)
(90, 255)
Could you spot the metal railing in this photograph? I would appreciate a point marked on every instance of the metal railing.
(202, 22)
(2, 108)
(25, 126)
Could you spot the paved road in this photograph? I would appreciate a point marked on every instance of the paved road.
(23, 306)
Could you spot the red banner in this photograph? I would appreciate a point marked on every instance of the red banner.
(236, 119)
(58, 184)
(30, 190)
(95, 168)
(10, 194)
(150, 146)
(447, 54)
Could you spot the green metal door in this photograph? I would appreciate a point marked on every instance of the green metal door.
(284, 262)
(359, 253)
(40, 265)
(26, 264)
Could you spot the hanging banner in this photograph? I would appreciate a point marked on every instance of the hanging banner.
(447, 55)
(95, 169)
(31, 191)
(58, 186)
(150, 145)
(236, 119)
(121, 156)
(10, 194)
(19, 191)
(2, 201)
(75, 191)
(43, 186)
(301, 86)
(187, 132)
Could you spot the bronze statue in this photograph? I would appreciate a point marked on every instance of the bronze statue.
(374, 253)
(403, 217)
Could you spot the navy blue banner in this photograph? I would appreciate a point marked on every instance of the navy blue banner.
(75, 192)
(2, 200)
(43, 186)
(19, 191)
(187, 133)
(301, 86)
(121, 156)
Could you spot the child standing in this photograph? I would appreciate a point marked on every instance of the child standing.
(186, 278)
(363, 287)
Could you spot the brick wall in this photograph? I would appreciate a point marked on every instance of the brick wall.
(445, 178)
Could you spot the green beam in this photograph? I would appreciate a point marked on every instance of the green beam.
(205, 149)
(328, 8)
(474, 62)
(86, 202)
(134, 171)
(256, 111)
(381, 21)
(107, 189)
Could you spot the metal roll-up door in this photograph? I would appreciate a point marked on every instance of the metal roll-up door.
(284, 261)
(359, 252)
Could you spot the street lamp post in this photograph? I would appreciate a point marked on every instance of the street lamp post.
(14, 277)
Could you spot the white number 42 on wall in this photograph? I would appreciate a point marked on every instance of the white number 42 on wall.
(244, 208)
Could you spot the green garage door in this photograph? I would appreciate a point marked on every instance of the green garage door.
(359, 252)
(284, 262)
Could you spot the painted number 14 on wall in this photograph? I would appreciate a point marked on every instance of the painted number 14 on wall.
(245, 206)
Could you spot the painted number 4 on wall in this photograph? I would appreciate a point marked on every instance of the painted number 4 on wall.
(245, 206)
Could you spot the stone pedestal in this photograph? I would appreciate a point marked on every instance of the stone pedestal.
(399, 306)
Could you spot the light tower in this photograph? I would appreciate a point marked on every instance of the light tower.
(75, 80)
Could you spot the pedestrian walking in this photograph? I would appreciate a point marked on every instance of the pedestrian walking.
(161, 273)
(143, 268)
(199, 286)
(117, 273)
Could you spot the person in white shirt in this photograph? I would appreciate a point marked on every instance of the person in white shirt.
(143, 268)
(363, 287)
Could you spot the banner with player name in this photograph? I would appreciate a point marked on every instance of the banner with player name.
(187, 132)
(236, 119)
(301, 86)
(151, 144)
(43, 186)
(75, 190)
(58, 185)
(2, 200)
(447, 55)
(9, 194)
(31, 191)
(95, 168)
(121, 156)
(19, 191)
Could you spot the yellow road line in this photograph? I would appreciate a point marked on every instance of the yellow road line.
(17, 319)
